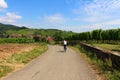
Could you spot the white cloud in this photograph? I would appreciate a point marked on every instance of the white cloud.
(3, 4)
(55, 19)
(99, 10)
(91, 19)
(13, 16)
(97, 19)
(10, 18)
(102, 6)
(113, 22)
(85, 28)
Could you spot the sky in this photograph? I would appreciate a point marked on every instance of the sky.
(70, 15)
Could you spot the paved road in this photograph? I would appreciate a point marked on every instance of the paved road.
(55, 65)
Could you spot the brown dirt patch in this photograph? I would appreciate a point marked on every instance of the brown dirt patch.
(9, 49)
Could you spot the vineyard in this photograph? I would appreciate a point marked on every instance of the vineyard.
(98, 36)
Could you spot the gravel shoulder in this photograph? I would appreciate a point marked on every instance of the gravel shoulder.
(55, 64)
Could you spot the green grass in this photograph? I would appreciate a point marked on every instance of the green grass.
(25, 57)
(52, 43)
(4, 70)
(111, 47)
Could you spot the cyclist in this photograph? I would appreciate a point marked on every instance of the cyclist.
(65, 45)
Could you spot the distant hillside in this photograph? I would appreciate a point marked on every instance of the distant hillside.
(43, 32)
(5, 27)
(6, 30)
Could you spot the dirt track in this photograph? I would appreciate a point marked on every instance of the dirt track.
(56, 65)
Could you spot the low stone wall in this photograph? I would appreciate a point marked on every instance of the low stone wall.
(103, 55)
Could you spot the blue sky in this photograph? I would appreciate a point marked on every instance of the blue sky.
(70, 15)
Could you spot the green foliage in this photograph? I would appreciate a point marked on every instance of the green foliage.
(108, 62)
(112, 34)
(16, 40)
(52, 43)
(36, 38)
(58, 36)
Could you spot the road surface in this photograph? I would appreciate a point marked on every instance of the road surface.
(55, 64)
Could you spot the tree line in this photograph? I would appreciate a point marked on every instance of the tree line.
(97, 35)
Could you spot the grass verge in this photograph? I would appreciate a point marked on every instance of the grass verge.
(4, 70)
(104, 69)
(25, 57)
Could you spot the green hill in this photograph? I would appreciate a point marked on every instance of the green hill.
(11, 29)
(5, 27)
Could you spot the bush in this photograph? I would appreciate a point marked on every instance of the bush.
(53, 42)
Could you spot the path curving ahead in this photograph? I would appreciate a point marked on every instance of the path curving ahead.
(55, 65)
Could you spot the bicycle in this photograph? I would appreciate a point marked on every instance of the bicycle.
(65, 48)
